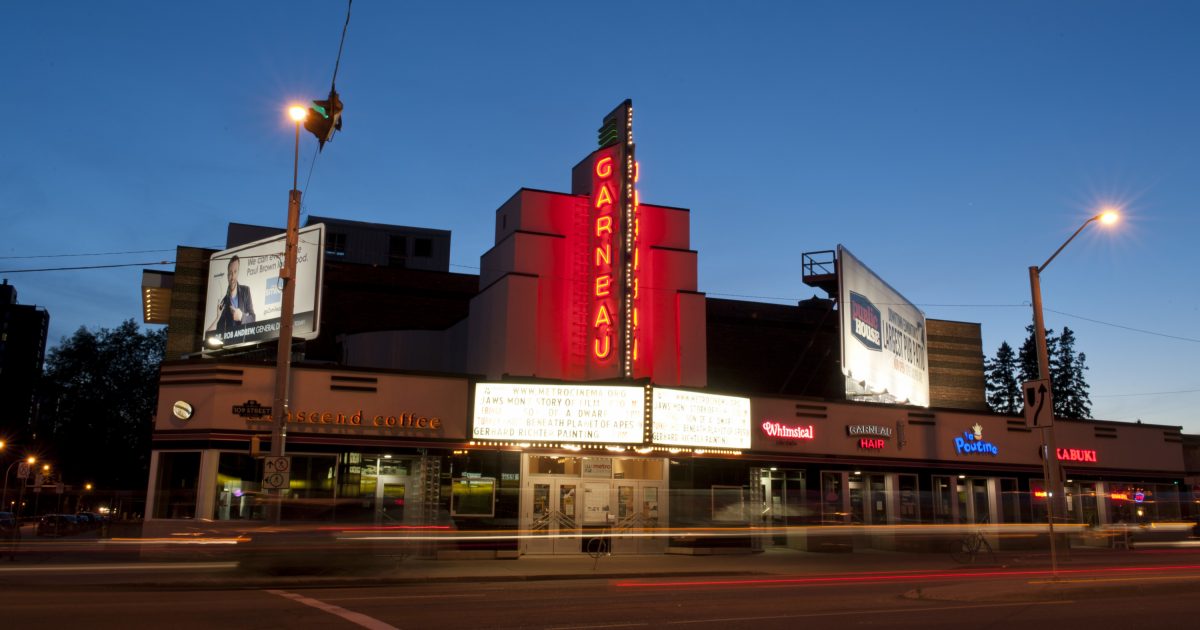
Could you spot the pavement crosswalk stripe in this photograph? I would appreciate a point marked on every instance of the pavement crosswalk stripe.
(353, 617)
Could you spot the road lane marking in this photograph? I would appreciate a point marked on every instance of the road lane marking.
(349, 615)
(390, 597)
(595, 627)
(845, 613)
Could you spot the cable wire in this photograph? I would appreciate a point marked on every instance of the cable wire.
(136, 251)
(141, 264)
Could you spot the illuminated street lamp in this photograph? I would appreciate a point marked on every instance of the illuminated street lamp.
(1054, 493)
(28, 460)
(283, 358)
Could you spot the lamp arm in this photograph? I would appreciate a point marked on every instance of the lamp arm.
(1068, 242)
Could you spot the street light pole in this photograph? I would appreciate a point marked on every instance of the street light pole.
(1051, 484)
(283, 359)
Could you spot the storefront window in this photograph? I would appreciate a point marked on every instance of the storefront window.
(943, 497)
(856, 498)
(909, 504)
(1167, 503)
(473, 497)
(649, 469)
(238, 485)
(1010, 501)
(175, 487)
(728, 504)
(833, 497)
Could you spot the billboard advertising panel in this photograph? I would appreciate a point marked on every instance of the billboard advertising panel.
(885, 356)
(245, 294)
(693, 419)
(593, 414)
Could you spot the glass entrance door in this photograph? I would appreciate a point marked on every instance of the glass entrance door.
(390, 496)
(551, 514)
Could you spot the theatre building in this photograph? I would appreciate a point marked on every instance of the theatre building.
(581, 386)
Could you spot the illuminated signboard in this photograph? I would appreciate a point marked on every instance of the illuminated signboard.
(244, 302)
(1075, 455)
(559, 413)
(693, 419)
(884, 352)
(972, 443)
(779, 430)
(871, 443)
(615, 313)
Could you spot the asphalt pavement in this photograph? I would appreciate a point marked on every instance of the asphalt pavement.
(88, 563)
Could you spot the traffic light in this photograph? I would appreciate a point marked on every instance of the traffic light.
(324, 117)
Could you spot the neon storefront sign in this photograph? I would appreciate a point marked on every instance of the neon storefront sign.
(972, 443)
(783, 431)
(1075, 455)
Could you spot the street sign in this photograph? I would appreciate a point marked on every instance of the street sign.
(276, 473)
(276, 481)
(23, 470)
(1039, 404)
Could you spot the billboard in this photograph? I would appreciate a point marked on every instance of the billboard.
(885, 355)
(559, 413)
(694, 419)
(245, 294)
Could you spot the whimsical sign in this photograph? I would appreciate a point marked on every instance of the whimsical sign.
(779, 430)
(1075, 455)
(559, 413)
(971, 442)
(693, 419)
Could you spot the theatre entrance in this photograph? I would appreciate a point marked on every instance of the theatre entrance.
(573, 504)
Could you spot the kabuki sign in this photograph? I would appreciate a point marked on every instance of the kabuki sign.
(1075, 455)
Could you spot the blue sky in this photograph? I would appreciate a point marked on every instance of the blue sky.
(949, 145)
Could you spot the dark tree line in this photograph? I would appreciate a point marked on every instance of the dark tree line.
(1009, 369)
(99, 393)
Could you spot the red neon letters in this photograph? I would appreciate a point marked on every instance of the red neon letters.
(1075, 455)
(603, 232)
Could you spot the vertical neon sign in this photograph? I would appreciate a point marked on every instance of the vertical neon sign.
(604, 227)
(614, 262)
(630, 206)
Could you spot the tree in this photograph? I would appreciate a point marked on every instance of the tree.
(101, 392)
(1071, 398)
(1067, 381)
(1003, 390)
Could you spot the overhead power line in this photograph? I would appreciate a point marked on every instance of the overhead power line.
(141, 264)
(134, 251)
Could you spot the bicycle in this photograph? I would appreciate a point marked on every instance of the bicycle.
(970, 548)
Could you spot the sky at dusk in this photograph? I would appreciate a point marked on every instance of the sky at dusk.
(949, 145)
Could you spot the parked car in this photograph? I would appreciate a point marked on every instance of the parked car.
(9, 528)
(57, 525)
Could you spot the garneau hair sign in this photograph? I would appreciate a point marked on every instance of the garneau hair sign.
(884, 353)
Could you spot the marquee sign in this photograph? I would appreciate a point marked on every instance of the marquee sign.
(694, 419)
(571, 414)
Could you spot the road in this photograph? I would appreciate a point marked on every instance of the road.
(1101, 599)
